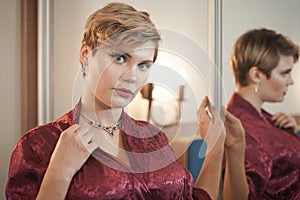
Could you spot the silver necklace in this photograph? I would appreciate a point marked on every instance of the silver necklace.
(110, 130)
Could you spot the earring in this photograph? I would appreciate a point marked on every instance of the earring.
(85, 62)
(256, 87)
(84, 67)
(83, 70)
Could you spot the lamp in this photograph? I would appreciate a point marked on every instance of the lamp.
(146, 92)
(162, 109)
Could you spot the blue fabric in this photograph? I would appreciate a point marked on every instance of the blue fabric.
(195, 158)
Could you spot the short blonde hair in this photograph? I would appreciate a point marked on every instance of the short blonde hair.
(120, 24)
(261, 48)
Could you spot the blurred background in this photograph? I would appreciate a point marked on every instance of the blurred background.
(40, 42)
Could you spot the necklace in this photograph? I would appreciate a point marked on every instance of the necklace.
(110, 130)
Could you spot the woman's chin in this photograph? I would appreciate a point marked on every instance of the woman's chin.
(120, 103)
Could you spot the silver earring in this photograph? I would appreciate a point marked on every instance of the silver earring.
(256, 87)
(83, 70)
(85, 62)
(84, 67)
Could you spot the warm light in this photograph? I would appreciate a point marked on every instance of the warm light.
(182, 76)
(176, 64)
(161, 92)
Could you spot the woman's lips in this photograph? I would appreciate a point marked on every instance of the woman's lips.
(123, 92)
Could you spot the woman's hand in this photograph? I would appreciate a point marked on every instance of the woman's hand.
(212, 131)
(235, 184)
(283, 120)
(73, 148)
(235, 133)
(210, 125)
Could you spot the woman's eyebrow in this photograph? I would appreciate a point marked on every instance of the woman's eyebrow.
(287, 70)
(130, 56)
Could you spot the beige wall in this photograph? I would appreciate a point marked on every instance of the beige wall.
(9, 84)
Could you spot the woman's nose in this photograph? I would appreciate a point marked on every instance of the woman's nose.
(290, 81)
(130, 74)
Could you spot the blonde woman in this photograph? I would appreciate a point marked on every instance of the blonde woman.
(96, 150)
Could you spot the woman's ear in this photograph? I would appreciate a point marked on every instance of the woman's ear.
(255, 75)
(84, 50)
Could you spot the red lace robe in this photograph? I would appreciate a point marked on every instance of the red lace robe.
(272, 154)
(103, 176)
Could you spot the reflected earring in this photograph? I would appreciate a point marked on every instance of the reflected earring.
(256, 87)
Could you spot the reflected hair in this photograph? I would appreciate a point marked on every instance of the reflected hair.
(261, 48)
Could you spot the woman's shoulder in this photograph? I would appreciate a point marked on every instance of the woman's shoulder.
(40, 132)
(46, 134)
(243, 110)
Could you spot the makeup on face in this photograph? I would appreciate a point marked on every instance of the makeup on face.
(276, 86)
(119, 75)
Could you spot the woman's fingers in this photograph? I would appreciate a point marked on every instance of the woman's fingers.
(210, 126)
(88, 139)
(206, 111)
(235, 133)
(84, 134)
(71, 130)
(283, 120)
(203, 118)
(203, 105)
(280, 119)
(79, 140)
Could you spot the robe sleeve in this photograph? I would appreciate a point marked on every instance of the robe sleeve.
(28, 164)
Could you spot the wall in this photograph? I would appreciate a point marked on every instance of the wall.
(282, 16)
(9, 84)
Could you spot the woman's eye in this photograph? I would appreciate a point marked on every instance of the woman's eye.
(119, 58)
(285, 73)
(144, 66)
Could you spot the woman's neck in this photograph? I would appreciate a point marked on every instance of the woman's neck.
(97, 110)
(248, 93)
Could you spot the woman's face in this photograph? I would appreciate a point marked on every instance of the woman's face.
(275, 88)
(115, 76)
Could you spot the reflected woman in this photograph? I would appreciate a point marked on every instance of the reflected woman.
(262, 61)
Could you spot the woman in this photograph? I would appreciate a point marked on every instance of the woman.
(96, 151)
(262, 61)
